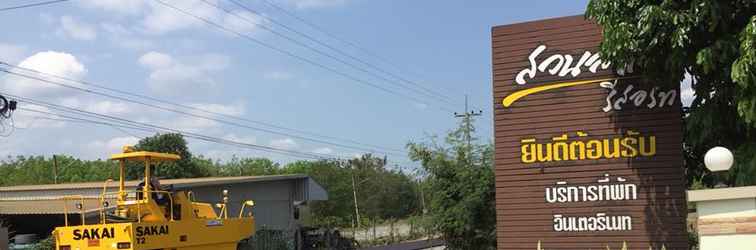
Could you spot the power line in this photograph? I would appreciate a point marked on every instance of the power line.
(32, 5)
(432, 93)
(35, 118)
(193, 114)
(117, 122)
(125, 123)
(205, 111)
(288, 53)
(335, 37)
(322, 30)
(320, 52)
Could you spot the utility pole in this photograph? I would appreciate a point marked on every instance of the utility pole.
(466, 118)
(354, 195)
(422, 197)
(55, 169)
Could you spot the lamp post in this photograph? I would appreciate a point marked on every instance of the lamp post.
(719, 159)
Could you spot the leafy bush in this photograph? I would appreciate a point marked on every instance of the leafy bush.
(46, 244)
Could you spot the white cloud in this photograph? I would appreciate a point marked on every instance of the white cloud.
(30, 119)
(420, 106)
(192, 124)
(169, 76)
(116, 144)
(126, 38)
(109, 108)
(119, 6)
(197, 123)
(311, 4)
(285, 144)
(50, 62)
(105, 107)
(115, 28)
(46, 18)
(242, 139)
(72, 28)
(112, 146)
(161, 19)
(156, 60)
(242, 21)
(324, 151)
(12, 53)
(158, 19)
(278, 75)
(232, 110)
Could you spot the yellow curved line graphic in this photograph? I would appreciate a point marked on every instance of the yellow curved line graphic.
(507, 101)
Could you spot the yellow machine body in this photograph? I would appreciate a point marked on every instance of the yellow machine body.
(139, 221)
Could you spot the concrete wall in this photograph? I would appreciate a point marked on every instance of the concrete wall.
(727, 224)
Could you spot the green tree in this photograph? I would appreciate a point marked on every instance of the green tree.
(250, 166)
(337, 210)
(714, 41)
(381, 193)
(23, 170)
(168, 143)
(460, 182)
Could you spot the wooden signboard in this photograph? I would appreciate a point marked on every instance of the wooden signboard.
(586, 156)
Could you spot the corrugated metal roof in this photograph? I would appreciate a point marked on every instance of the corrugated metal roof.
(49, 206)
(177, 183)
(52, 204)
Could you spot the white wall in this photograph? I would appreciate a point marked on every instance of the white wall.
(728, 242)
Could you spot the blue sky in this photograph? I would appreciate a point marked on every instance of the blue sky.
(143, 47)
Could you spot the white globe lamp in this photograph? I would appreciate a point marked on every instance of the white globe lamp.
(718, 159)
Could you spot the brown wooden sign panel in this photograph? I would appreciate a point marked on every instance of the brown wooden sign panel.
(586, 156)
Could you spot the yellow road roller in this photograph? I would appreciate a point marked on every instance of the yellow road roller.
(154, 217)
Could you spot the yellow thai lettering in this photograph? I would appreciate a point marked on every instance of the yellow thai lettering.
(564, 148)
(647, 149)
(528, 150)
(594, 149)
(612, 148)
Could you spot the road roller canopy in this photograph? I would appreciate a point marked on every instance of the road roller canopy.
(143, 155)
(130, 155)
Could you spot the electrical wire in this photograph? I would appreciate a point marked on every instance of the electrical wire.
(295, 56)
(337, 38)
(205, 111)
(431, 93)
(116, 122)
(196, 115)
(126, 123)
(32, 5)
(331, 35)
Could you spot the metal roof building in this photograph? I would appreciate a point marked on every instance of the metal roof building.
(37, 208)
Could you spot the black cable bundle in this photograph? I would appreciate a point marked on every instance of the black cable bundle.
(7, 107)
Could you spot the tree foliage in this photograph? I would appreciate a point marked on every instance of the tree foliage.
(460, 181)
(382, 193)
(168, 143)
(23, 170)
(714, 41)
